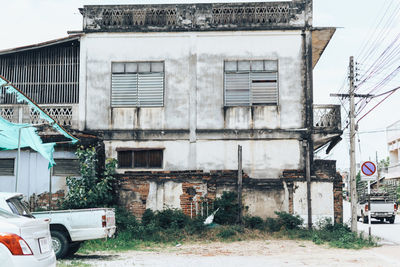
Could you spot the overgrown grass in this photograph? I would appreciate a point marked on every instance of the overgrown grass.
(72, 264)
(170, 227)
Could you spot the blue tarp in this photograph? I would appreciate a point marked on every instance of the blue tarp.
(9, 133)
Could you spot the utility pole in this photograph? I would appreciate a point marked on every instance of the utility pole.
(352, 151)
(377, 171)
(240, 183)
(353, 183)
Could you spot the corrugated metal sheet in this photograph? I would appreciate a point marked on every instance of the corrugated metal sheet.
(151, 89)
(124, 90)
(264, 88)
(237, 89)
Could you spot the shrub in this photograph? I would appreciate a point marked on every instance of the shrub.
(125, 220)
(195, 226)
(289, 221)
(228, 208)
(226, 233)
(147, 217)
(273, 225)
(254, 222)
(91, 190)
(171, 218)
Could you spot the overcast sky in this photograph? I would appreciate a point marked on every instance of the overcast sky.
(31, 21)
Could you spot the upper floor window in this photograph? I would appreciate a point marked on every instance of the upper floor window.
(137, 84)
(250, 82)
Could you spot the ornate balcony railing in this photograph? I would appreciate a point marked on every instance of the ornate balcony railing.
(65, 115)
(327, 117)
(195, 17)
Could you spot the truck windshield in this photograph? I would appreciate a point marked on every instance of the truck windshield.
(18, 207)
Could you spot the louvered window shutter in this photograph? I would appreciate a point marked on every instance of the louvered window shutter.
(264, 88)
(237, 91)
(151, 89)
(124, 90)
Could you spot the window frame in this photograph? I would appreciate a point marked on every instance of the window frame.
(13, 167)
(237, 71)
(54, 173)
(137, 105)
(133, 150)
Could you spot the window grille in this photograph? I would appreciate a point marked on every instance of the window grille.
(48, 75)
(6, 167)
(137, 84)
(66, 167)
(143, 159)
(248, 83)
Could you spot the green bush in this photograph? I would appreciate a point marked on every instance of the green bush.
(195, 226)
(226, 233)
(91, 190)
(289, 221)
(171, 218)
(148, 216)
(254, 222)
(272, 225)
(125, 220)
(228, 208)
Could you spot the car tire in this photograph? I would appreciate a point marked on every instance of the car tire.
(60, 244)
(73, 248)
(391, 220)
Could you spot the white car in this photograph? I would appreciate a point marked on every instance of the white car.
(25, 242)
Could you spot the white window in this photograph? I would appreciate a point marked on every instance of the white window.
(137, 84)
(250, 82)
(66, 167)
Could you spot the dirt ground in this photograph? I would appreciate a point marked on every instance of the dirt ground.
(245, 253)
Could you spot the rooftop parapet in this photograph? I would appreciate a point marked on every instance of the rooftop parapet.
(197, 17)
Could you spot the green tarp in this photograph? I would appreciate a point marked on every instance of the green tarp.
(9, 133)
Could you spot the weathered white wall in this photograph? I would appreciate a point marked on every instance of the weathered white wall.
(193, 100)
(34, 173)
(321, 200)
(261, 159)
(193, 61)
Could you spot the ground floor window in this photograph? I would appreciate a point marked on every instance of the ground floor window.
(66, 167)
(140, 158)
(6, 167)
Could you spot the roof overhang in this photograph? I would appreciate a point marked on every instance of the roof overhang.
(41, 45)
(320, 40)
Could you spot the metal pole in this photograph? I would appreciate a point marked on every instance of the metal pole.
(308, 178)
(353, 189)
(369, 208)
(377, 171)
(240, 182)
(18, 159)
(50, 183)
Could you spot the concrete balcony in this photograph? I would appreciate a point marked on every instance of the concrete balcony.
(327, 124)
(65, 115)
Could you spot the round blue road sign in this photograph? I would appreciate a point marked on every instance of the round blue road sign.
(368, 168)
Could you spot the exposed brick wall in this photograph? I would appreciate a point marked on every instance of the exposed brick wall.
(41, 201)
(199, 189)
(338, 199)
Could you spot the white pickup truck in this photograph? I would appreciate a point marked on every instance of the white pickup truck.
(381, 208)
(69, 228)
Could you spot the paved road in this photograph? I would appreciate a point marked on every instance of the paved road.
(389, 232)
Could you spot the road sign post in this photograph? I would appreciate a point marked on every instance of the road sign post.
(368, 170)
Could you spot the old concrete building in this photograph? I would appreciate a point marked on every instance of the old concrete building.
(172, 90)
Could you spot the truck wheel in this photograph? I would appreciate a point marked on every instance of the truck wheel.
(73, 248)
(391, 220)
(60, 244)
(365, 219)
